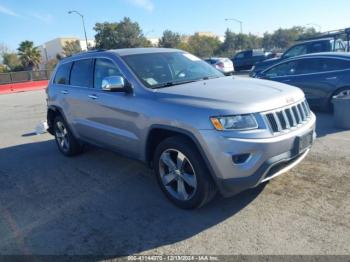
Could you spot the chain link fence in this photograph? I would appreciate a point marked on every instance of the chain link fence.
(24, 76)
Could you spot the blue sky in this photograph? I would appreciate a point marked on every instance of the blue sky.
(42, 20)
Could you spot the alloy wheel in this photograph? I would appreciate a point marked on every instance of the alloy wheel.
(62, 136)
(177, 174)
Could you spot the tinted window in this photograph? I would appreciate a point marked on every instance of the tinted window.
(62, 75)
(284, 69)
(81, 74)
(329, 64)
(308, 66)
(318, 47)
(295, 51)
(104, 68)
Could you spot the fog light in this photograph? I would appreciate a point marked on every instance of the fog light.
(240, 159)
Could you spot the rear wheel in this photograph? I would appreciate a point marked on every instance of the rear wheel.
(65, 140)
(182, 173)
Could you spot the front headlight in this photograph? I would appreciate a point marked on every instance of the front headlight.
(238, 122)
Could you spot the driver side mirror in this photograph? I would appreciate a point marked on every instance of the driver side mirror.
(115, 84)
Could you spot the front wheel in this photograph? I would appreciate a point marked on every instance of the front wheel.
(182, 173)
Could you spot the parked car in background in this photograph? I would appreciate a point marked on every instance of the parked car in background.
(307, 47)
(222, 64)
(200, 131)
(245, 60)
(321, 76)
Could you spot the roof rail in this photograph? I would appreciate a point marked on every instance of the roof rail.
(334, 34)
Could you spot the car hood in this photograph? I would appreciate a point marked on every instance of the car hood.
(232, 95)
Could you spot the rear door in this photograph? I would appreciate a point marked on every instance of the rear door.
(81, 82)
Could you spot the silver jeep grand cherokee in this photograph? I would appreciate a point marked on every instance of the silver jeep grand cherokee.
(199, 130)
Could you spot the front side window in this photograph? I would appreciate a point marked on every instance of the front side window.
(295, 51)
(285, 69)
(157, 70)
(104, 68)
(62, 75)
(81, 74)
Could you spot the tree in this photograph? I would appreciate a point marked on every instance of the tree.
(71, 47)
(12, 61)
(170, 39)
(228, 47)
(29, 55)
(125, 34)
(203, 46)
(51, 64)
(3, 50)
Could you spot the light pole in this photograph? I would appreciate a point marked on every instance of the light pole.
(82, 19)
(241, 26)
(236, 20)
(317, 25)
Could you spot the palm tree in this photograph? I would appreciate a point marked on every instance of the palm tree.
(29, 55)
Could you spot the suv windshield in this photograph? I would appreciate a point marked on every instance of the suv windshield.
(158, 70)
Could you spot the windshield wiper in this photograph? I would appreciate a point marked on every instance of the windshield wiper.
(174, 83)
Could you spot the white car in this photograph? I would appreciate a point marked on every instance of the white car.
(223, 64)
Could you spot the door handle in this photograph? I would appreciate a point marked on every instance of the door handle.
(286, 81)
(93, 96)
(65, 92)
(332, 78)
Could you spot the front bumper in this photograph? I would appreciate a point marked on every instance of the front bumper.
(268, 158)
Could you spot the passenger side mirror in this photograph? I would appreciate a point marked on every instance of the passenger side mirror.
(115, 84)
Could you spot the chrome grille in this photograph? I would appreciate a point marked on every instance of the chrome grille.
(284, 119)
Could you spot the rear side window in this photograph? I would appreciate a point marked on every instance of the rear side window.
(318, 47)
(335, 64)
(82, 73)
(62, 74)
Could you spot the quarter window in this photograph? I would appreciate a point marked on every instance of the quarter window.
(81, 74)
(104, 68)
(62, 75)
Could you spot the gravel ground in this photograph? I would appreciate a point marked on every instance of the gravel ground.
(101, 203)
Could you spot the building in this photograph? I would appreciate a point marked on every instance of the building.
(52, 48)
(154, 40)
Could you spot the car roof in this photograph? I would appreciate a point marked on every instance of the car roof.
(326, 54)
(316, 40)
(147, 50)
(119, 52)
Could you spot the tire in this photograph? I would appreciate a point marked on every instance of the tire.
(197, 187)
(67, 144)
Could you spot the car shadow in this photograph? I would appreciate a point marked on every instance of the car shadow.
(98, 203)
(325, 124)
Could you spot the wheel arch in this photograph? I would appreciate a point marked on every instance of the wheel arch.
(52, 113)
(158, 133)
